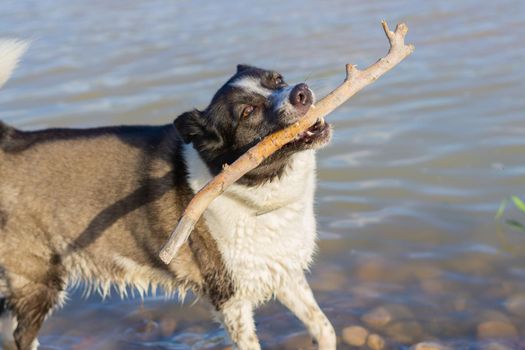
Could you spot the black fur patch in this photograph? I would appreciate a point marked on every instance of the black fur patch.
(5, 131)
(3, 306)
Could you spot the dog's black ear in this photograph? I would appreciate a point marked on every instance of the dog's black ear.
(243, 67)
(189, 125)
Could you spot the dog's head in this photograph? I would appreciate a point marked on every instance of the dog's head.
(251, 105)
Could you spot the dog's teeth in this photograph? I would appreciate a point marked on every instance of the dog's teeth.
(309, 133)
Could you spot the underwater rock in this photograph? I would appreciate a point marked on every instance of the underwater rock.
(516, 305)
(355, 335)
(429, 346)
(375, 342)
(377, 318)
(496, 329)
(405, 332)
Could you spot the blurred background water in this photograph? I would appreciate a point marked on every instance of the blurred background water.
(407, 191)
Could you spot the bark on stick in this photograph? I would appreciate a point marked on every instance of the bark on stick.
(355, 81)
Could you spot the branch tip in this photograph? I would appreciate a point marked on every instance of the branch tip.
(385, 25)
(388, 32)
(351, 70)
(402, 29)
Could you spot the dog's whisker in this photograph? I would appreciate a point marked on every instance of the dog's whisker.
(307, 77)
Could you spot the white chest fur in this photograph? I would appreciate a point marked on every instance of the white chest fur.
(264, 233)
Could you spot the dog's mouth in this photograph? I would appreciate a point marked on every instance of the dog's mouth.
(315, 136)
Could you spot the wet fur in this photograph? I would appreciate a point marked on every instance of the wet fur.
(94, 206)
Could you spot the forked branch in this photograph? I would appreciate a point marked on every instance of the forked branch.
(355, 81)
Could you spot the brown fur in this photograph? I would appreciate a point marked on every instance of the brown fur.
(95, 204)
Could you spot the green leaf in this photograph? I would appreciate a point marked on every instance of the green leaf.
(516, 224)
(501, 209)
(518, 203)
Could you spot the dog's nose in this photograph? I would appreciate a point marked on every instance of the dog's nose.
(301, 96)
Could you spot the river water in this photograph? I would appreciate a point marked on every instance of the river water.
(407, 191)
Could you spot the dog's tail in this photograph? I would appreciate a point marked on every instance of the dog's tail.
(10, 52)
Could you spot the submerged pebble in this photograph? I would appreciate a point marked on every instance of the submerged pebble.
(328, 279)
(495, 346)
(516, 305)
(355, 335)
(377, 318)
(167, 326)
(399, 312)
(433, 286)
(460, 303)
(372, 269)
(429, 346)
(424, 272)
(405, 332)
(493, 315)
(375, 342)
(496, 329)
(301, 341)
(146, 330)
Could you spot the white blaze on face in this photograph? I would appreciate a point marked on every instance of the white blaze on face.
(252, 85)
(280, 98)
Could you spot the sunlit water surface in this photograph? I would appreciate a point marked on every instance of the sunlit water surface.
(407, 190)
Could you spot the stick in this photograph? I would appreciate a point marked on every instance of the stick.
(355, 80)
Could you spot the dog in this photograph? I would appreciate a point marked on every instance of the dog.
(94, 207)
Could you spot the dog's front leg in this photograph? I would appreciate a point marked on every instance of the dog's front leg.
(297, 296)
(237, 318)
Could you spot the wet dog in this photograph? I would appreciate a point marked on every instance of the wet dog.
(94, 206)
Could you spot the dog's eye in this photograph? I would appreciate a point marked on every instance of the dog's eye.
(247, 111)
